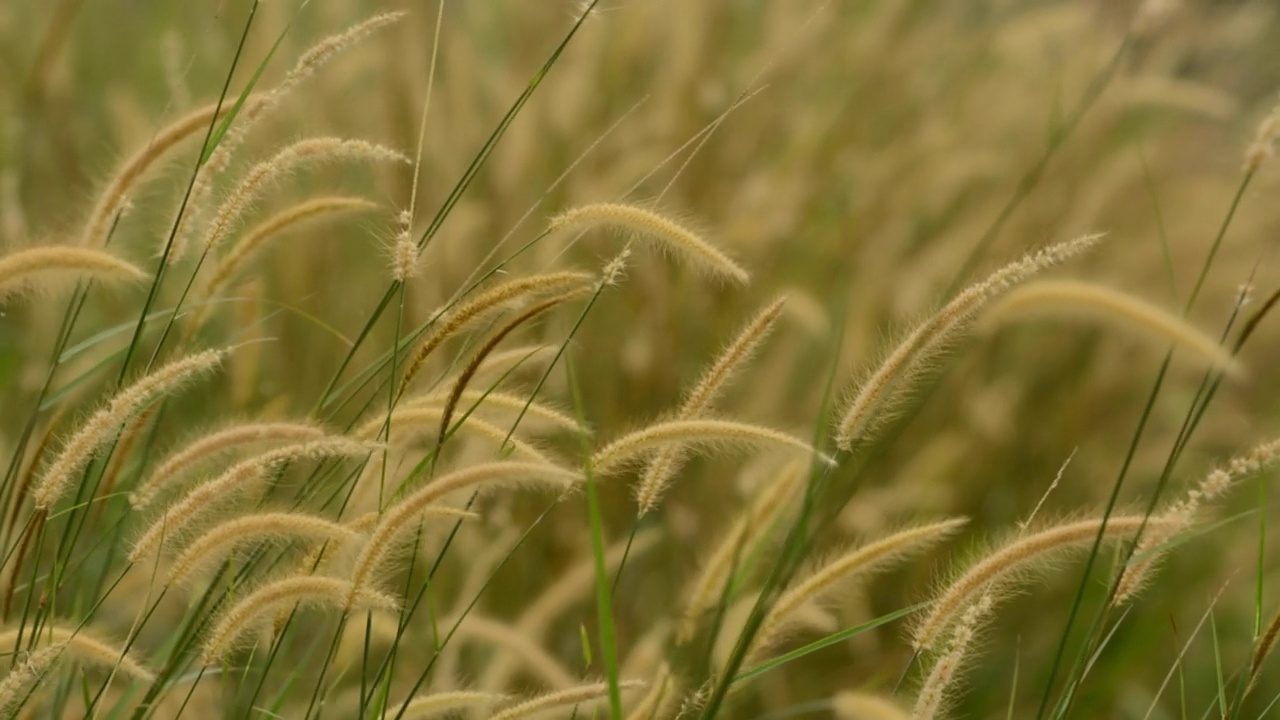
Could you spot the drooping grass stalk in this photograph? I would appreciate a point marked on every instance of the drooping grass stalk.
(477, 162)
(453, 532)
(385, 669)
(1131, 452)
(72, 528)
(452, 200)
(1195, 413)
(794, 549)
(212, 136)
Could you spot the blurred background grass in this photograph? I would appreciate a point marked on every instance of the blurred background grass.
(877, 143)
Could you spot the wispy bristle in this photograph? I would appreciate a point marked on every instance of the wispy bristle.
(399, 517)
(114, 197)
(302, 153)
(450, 321)
(1073, 297)
(859, 561)
(171, 470)
(85, 646)
(411, 423)
(1264, 142)
(246, 476)
(667, 462)
(437, 704)
(563, 698)
(310, 591)
(24, 677)
(289, 218)
(651, 226)
(933, 693)
(1021, 553)
(256, 109)
(876, 396)
(1185, 512)
(214, 545)
(707, 433)
(31, 269)
(98, 430)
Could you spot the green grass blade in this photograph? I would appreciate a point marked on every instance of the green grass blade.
(828, 641)
(604, 600)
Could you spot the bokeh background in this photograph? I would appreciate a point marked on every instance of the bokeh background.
(865, 156)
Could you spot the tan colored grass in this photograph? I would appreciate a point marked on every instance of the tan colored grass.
(496, 400)
(933, 692)
(84, 645)
(490, 344)
(449, 322)
(401, 516)
(215, 444)
(219, 541)
(283, 221)
(411, 423)
(19, 683)
(1075, 298)
(664, 466)
(114, 197)
(36, 267)
(855, 705)
(847, 566)
(312, 151)
(398, 520)
(649, 225)
(245, 477)
(524, 358)
(404, 253)
(1184, 513)
(562, 699)
(219, 160)
(96, 432)
(1262, 650)
(662, 699)
(508, 642)
(1023, 552)
(538, 616)
(305, 590)
(737, 546)
(438, 704)
(322, 52)
(1264, 142)
(876, 397)
(702, 432)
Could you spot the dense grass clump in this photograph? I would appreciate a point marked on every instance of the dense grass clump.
(652, 360)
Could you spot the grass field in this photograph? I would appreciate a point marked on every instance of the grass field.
(639, 359)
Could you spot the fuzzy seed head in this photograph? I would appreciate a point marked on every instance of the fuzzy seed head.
(39, 267)
(1022, 553)
(245, 477)
(883, 389)
(615, 456)
(262, 176)
(98, 430)
(648, 225)
(320, 592)
(213, 445)
(1090, 300)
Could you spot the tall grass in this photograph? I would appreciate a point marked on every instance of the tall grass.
(638, 360)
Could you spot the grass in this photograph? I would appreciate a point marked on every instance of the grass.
(547, 327)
